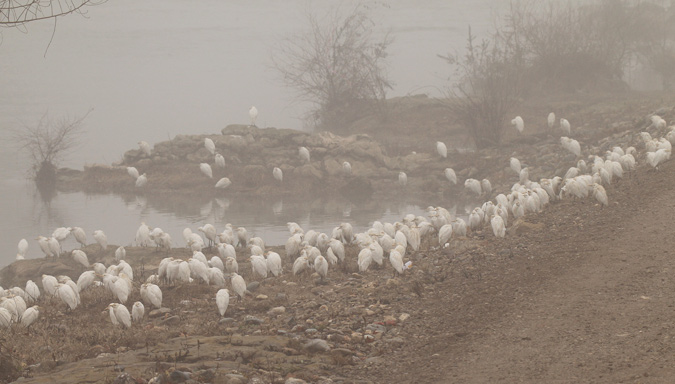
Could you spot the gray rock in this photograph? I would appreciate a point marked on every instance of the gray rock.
(226, 320)
(317, 345)
(376, 328)
(253, 286)
(253, 320)
(159, 312)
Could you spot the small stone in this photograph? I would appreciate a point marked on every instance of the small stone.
(298, 328)
(179, 376)
(171, 320)
(281, 332)
(317, 345)
(396, 341)
(369, 312)
(311, 331)
(404, 317)
(344, 352)
(253, 286)
(374, 327)
(294, 380)
(252, 320)
(276, 311)
(226, 320)
(280, 296)
(309, 321)
(233, 378)
(159, 312)
(261, 297)
(368, 338)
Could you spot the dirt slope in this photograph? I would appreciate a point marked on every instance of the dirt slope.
(584, 295)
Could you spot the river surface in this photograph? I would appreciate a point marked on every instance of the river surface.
(148, 70)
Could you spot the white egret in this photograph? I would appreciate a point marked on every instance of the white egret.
(216, 262)
(253, 114)
(206, 170)
(216, 277)
(222, 300)
(209, 232)
(143, 235)
(600, 194)
(54, 246)
(450, 175)
(258, 266)
(278, 174)
(242, 237)
(61, 233)
(145, 147)
(137, 311)
(85, 280)
(274, 265)
(122, 314)
(80, 257)
(402, 179)
(515, 165)
(210, 145)
(498, 227)
(321, 266)
(441, 149)
(151, 293)
(473, 185)
(551, 120)
(238, 285)
(133, 172)
(444, 234)
(44, 245)
(518, 122)
(22, 248)
(101, 239)
(120, 253)
(565, 126)
(80, 235)
(5, 318)
(231, 265)
(396, 261)
(223, 183)
(219, 160)
(364, 259)
(198, 269)
(67, 295)
(49, 283)
(301, 263)
(32, 291)
(347, 168)
(30, 315)
(486, 187)
(141, 181)
(304, 154)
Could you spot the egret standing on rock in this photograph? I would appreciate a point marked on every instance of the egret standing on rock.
(80, 235)
(278, 174)
(253, 114)
(145, 147)
(219, 160)
(101, 239)
(141, 181)
(22, 248)
(304, 154)
(206, 169)
(133, 172)
(441, 149)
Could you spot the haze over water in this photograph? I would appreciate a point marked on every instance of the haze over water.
(153, 69)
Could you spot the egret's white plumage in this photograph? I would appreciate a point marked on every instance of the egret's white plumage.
(304, 154)
(141, 181)
(441, 149)
(32, 291)
(274, 265)
(206, 170)
(515, 165)
(22, 249)
(518, 122)
(30, 315)
(101, 239)
(450, 175)
(473, 185)
(278, 174)
(498, 227)
(5, 318)
(402, 179)
(396, 261)
(54, 246)
(152, 294)
(258, 266)
(223, 183)
(238, 285)
(219, 160)
(222, 300)
(364, 259)
(80, 257)
(347, 168)
(137, 311)
(551, 120)
(122, 314)
(565, 126)
(321, 266)
(210, 145)
(145, 147)
(80, 235)
(253, 114)
(49, 283)
(133, 172)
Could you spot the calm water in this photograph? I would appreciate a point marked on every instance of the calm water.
(150, 70)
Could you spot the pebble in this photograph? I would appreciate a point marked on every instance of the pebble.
(311, 331)
(226, 320)
(171, 320)
(281, 296)
(404, 317)
(396, 341)
(253, 286)
(294, 380)
(376, 328)
(159, 312)
(253, 320)
(317, 345)
(276, 311)
(261, 297)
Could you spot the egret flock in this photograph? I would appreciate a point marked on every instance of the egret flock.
(215, 255)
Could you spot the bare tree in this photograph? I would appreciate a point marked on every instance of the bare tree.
(488, 88)
(14, 13)
(338, 65)
(48, 143)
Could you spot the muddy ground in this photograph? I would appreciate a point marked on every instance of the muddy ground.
(577, 293)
